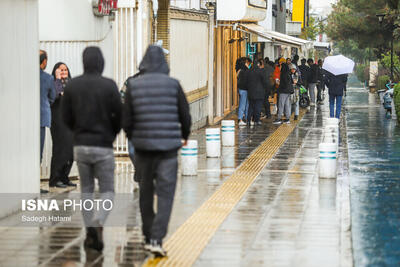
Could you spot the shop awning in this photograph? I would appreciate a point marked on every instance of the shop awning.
(322, 45)
(275, 37)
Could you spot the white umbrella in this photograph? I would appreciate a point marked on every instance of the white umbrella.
(338, 65)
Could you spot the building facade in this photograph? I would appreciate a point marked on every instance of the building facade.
(20, 100)
(204, 40)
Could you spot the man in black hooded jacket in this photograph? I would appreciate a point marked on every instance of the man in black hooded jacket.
(256, 84)
(92, 109)
(156, 118)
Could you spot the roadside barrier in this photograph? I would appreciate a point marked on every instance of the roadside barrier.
(327, 160)
(228, 132)
(189, 158)
(331, 135)
(213, 142)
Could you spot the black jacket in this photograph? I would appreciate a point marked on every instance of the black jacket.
(335, 84)
(256, 83)
(305, 73)
(268, 72)
(314, 74)
(91, 106)
(286, 84)
(242, 76)
(156, 113)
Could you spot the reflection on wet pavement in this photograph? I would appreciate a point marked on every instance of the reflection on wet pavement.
(289, 217)
(374, 156)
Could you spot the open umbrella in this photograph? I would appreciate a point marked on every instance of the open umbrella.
(338, 65)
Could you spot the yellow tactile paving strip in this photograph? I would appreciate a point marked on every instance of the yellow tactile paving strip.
(187, 243)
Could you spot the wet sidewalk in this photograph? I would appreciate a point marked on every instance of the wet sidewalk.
(374, 158)
(287, 216)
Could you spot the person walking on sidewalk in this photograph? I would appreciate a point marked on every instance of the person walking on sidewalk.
(296, 82)
(305, 72)
(241, 84)
(92, 109)
(321, 82)
(312, 80)
(156, 118)
(285, 89)
(62, 155)
(256, 84)
(47, 96)
(336, 85)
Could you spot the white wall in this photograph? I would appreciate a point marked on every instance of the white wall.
(19, 97)
(267, 22)
(186, 4)
(189, 53)
(70, 20)
(239, 10)
(67, 27)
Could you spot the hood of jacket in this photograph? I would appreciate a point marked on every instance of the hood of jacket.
(93, 60)
(154, 61)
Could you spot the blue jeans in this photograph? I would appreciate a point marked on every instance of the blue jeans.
(332, 99)
(243, 104)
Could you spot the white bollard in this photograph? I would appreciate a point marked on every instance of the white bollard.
(213, 142)
(228, 132)
(327, 160)
(189, 158)
(331, 133)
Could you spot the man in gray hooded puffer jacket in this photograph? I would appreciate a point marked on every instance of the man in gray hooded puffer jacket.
(155, 118)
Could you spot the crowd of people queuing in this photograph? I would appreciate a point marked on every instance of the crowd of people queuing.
(86, 113)
(258, 80)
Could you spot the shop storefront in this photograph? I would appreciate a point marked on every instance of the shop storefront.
(231, 43)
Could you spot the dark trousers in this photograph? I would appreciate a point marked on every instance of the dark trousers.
(157, 172)
(42, 136)
(267, 107)
(254, 110)
(62, 152)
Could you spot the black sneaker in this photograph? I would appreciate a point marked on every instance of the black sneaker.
(157, 249)
(287, 121)
(59, 184)
(296, 117)
(258, 123)
(277, 122)
(69, 183)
